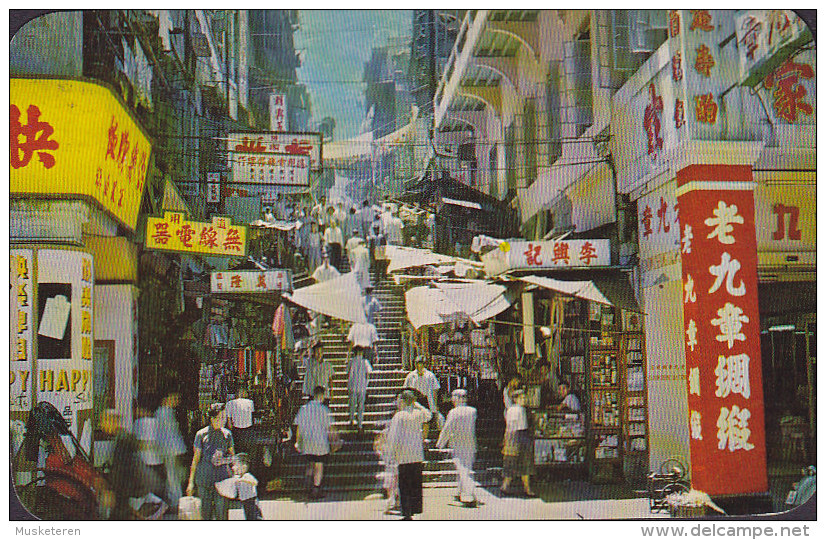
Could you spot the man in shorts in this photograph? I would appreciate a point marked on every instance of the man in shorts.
(314, 421)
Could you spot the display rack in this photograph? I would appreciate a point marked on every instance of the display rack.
(634, 406)
(604, 373)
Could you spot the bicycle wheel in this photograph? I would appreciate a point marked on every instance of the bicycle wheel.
(673, 464)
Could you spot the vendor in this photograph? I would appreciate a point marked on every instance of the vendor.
(570, 403)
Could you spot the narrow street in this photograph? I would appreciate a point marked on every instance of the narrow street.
(421, 264)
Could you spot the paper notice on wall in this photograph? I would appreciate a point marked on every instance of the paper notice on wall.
(55, 317)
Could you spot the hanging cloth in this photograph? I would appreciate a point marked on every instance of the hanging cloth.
(242, 368)
(287, 337)
(260, 360)
(278, 320)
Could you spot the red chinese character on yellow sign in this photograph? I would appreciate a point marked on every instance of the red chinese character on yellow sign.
(262, 281)
(235, 281)
(705, 61)
(701, 20)
(112, 139)
(788, 92)
(35, 138)
(209, 237)
(646, 221)
(186, 233)
(233, 240)
(705, 108)
(161, 235)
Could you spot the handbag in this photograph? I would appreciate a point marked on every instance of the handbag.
(189, 508)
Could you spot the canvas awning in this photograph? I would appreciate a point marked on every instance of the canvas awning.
(444, 302)
(608, 290)
(402, 257)
(339, 297)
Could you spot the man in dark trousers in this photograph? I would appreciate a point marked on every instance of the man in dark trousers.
(404, 443)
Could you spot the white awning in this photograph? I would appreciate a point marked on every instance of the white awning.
(277, 224)
(444, 302)
(458, 202)
(339, 297)
(402, 257)
(580, 289)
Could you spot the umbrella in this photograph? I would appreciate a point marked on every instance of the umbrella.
(339, 297)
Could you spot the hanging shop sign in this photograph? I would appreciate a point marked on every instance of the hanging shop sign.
(173, 232)
(260, 144)
(765, 39)
(557, 254)
(278, 112)
(251, 281)
(722, 329)
(52, 334)
(74, 138)
(213, 187)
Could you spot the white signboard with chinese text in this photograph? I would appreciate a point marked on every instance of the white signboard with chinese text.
(557, 254)
(21, 318)
(270, 142)
(251, 281)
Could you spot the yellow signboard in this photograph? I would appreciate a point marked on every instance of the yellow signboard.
(72, 137)
(173, 232)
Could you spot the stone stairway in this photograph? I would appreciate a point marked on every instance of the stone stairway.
(356, 467)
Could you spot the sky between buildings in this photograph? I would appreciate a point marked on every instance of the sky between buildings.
(334, 45)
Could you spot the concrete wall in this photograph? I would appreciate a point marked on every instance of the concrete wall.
(115, 319)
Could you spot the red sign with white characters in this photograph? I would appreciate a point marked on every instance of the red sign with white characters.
(722, 329)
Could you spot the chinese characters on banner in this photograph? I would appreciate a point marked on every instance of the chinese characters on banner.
(559, 254)
(251, 281)
(278, 112)
(722, 329)
(765, 38)
(75, 138)
(173, 232)
(21, 268)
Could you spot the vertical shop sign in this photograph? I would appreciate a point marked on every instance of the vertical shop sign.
(722, 329)
(52, 334)
(21, 318)
(278, 112)
(213, 187)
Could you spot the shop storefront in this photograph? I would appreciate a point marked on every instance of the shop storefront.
(723, 180)
(79, 164)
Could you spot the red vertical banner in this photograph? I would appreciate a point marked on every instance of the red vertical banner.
(718, 250)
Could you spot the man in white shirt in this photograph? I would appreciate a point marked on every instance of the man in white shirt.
(324, 272)
(460, 433)
(334, 240)
(239, 419)
(404, 444)
(425, 382)
(569, 401)
(314, 424)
